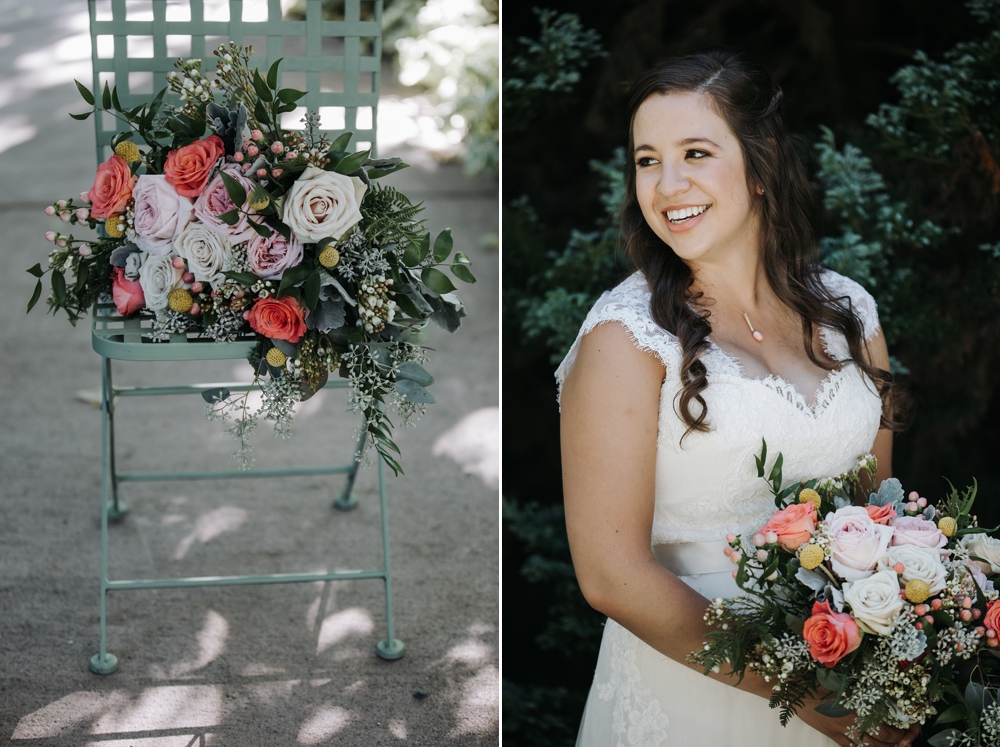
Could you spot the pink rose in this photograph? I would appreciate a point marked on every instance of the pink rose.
(856, 542)
(881, 514)
(112, 188)
(126, 293)
(794, 525)
(188, 168)
(160, 213)
(270, 257)
(278, 319)
(215, 201)
(916, 530)
(831, 635)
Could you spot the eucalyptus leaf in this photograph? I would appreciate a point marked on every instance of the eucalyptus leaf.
(834, 709)
(413, 392)
(449, 311)
(214, 396)
(828, 679)
(954, 713)
(975, 696)
(462, 258)
(813, 580)
(413, 371)
(946, 738)
(329, 314)
(286, 347)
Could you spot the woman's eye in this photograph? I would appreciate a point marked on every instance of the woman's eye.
(696, 154)
(644, 161)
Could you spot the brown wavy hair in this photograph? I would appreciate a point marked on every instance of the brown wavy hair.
(748, 101)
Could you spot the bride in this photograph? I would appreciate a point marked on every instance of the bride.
(728, 333)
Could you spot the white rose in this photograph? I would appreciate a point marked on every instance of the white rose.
(158, 277)
(985, 547)
(923, 563)
(159, 213)
(857, 543)
(875, 601)
(323, 204)
(205, 252)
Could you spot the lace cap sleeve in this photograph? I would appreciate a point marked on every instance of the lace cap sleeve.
(628, 304)
(861, 300)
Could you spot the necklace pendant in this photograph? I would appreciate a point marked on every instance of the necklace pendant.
(758, 336)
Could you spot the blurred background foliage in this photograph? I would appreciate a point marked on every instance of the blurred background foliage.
(898, 108)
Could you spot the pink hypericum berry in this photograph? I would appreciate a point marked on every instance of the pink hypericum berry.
(246, 315)
(992, 642)
(977, 613)
(64, 216)
(277, 172)
(178, 263)
(991, 633)
(966, 615)
(50, 235)
(980, 631)
(277, 146)
(773, 576)
(735, 558)
(261, 173)
(920, 609)
(913, 495)
(187, 277)
(85, 198)
(771, 538)
(918, 625)
(899, 568)
(762, 555)
(247, 167)
(734, 573)
(238, 156)
(252, 150)
(61, 243)
(967, 603)
(256, 135)
(758, 540)
(727, 551)
(959, 646)
(85, 251)
(922, 502)
(82, 214)
(239, 293)
(50, 210)
(730, 538)
(194, 310)
(61, 203)
(912, 506)
(197, 287)
(929, 619)
(935, 604)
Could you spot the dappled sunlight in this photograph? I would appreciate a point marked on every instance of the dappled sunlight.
(260, 670)
(176, 740)
(323, 724)
(211, 643)
(211, 525)
(478, 711)
(340, 625)
(168, 707)
(474, 442)
(274, 693)
(397, 727)
(67, 712)
(470, 653)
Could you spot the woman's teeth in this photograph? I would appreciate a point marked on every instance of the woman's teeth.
(685, 214)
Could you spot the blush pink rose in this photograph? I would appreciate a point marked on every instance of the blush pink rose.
(270, 257)
(215, 201)
(278, 319)
(856, 542)
(881, 514)
(831, 635)
(160, 213)
(794, 525)
(127, 293)
(112, 188)
(916, 530)
(188, 168)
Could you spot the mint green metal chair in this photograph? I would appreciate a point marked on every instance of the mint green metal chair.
(143, 34)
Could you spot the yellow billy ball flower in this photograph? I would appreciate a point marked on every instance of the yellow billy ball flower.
(260, 203)
(329, 257)
(917, 591)
(811, 556)
(180, 300)
(114, 226)
(948, 526)
(128, 151)
(808, 495)
(276, 358)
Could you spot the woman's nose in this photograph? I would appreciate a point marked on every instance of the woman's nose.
(672, 180)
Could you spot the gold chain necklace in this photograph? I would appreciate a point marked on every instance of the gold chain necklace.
(754, 332)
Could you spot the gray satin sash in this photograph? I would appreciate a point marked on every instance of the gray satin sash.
(693, 558)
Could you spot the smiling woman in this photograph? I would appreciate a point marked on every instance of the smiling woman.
(666, 396)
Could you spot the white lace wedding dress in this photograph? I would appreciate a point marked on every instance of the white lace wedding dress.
(705, 489)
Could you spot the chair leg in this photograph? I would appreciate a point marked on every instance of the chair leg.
(391, 648)
(347, 501)
(117, 509)
(103, 662)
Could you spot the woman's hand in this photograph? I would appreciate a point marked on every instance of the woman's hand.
(837, 728)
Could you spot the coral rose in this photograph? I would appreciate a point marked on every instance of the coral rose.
(991, 621)
(794, 525)
(127, 293)
(112, 188)
(188, 168)
(831, 635)
(278, 319)
(881, 514)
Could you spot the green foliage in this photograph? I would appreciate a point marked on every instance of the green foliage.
(539, 716)
(548, 67)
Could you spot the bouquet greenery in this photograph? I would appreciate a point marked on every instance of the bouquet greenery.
(888, 606)
(218, 223)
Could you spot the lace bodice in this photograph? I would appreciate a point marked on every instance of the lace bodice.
(708, 486)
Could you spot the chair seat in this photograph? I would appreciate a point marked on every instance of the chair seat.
(130, 339)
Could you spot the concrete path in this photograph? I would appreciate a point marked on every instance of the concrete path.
(260, 665)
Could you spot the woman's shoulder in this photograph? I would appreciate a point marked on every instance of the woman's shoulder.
(861, 301)
(628, 305)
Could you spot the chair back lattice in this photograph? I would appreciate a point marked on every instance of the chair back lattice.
(135, 44)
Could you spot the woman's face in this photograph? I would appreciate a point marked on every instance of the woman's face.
(689, 178)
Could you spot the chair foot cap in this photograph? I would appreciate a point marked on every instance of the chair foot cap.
(109, 665)
(389, 650)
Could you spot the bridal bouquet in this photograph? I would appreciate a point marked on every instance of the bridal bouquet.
(215, 222)
(887, 605)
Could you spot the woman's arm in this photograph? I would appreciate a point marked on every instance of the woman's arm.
(878, 356)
